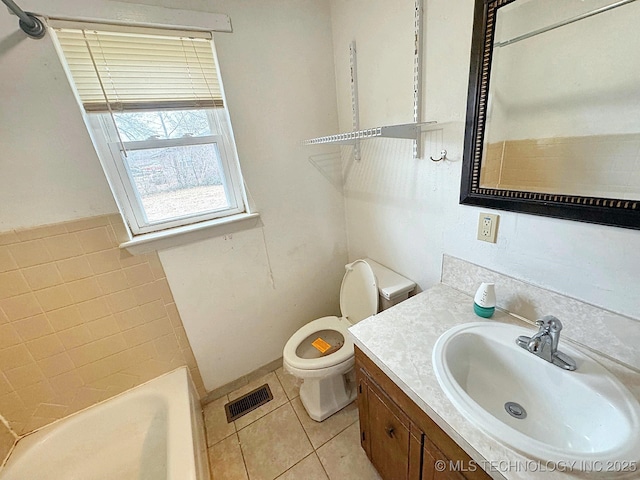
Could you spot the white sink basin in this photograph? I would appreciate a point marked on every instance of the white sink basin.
(582, 416)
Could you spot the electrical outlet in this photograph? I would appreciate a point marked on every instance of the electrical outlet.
(488, 227)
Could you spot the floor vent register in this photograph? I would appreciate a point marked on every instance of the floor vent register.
(248, 402)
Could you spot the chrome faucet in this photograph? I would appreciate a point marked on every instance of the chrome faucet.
(544, 344)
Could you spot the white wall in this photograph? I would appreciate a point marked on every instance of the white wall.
(240, 297)
(48, 170)
(405, 213)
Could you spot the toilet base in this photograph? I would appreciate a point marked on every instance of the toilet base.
(322, 397)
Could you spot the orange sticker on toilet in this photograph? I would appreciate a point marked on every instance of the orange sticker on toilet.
(321, 345)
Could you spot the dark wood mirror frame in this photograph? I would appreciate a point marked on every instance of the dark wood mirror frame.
(605, 211)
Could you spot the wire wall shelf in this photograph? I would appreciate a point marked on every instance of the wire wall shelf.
(409, 131)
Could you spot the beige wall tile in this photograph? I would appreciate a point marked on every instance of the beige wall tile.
(66, 294)
(165, 291)
(7, 238)
(139, 274)
(67, 382)
(6, 260)
(63, 246)
(86, 397)
(74, 268)
(103, 327)
(148, 293)
(117, 381)
(64, 318)
(85, 289)
(181, 336)
(129, 318)
(37, 393)
(54, 298)
(166, 346)
(50, 410)
(33, 327)
(12, 283)
(156, 266)
(56, 365)
(42, 276)
(120, 232)
(13, 357)
(40, 232)
(197, 380)
(28, 254)
(112, 282)
(21, 306)
(5, 388)
(94, 309)
(105, 261)
(121, 301)
(86, 223)
(97, 350)
(95, 240)
(147, 332)
(6, 441)
(95, 371)
(44, 347)
(24, 376)
(174, 316)
(142, 353)
(128, 260)
(189, 358)
(153, 311)
(75, 337)
(8, 336)
(11, 405)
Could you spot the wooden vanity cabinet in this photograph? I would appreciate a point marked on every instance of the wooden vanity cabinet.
(401, 441)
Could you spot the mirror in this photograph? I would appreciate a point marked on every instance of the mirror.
(553, 110)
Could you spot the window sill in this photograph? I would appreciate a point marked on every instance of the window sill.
(174, 237)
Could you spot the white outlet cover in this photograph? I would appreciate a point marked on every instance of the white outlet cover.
(488, 227)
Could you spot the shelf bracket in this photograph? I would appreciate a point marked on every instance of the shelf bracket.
(355, 107)
(409, 131)
(417, 76)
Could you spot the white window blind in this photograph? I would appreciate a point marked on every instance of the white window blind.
(122, 71)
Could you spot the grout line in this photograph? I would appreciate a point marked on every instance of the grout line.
(292, 466)
(322, 465)
(244, 462)
(302, 425)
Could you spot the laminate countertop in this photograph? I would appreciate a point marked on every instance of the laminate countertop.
(400, 341)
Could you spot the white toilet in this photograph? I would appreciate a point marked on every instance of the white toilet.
(321, 352)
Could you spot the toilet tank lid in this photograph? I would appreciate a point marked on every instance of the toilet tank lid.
(390, 284)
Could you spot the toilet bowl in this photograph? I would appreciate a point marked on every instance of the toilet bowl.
(321, 352)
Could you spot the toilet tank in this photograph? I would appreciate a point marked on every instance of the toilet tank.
(392, 287)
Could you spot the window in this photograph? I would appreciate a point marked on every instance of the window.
(154, 103)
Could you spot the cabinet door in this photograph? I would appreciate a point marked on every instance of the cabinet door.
(363, 412)
(435, 466)
(388, 437)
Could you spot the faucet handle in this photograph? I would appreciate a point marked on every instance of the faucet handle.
(542, 324)
(549, 322)
(554, 324)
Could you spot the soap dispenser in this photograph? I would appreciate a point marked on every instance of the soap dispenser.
(484, 303)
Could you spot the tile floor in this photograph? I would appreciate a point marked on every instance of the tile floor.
(280, 441)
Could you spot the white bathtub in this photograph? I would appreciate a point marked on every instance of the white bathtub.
(154, 431)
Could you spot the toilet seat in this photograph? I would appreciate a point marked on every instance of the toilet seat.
(341, 355)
